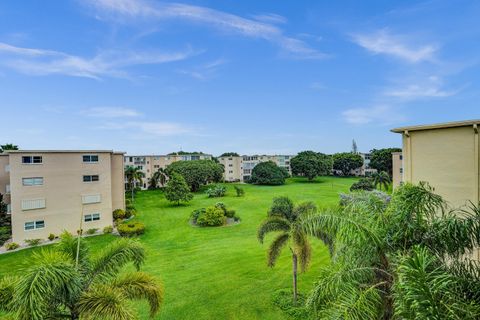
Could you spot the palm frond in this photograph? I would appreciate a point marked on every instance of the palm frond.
(302, 248)
(276, 247)
(104, 303)
(272, 224)
(139, 285)
(7, 289)
(69, 244)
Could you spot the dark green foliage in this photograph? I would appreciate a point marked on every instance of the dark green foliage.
(197, 173)
(230, 213)
(381, 159)
(91, 231)
(283, 300)
(51, 237)
(118, 214)
(346, 162)
(216, 191)
(365, 184)
(311, 164)
(268, 173)
(5, 234)
(158, 179)
(131, 229)
(211, 217)
(195, 214)
(108, 230)
(381, 180)
(230, 154)
(12, 246)
(177, 189)
(33, 242)
(183, 153)
(240, 191)
(5, 222)
(8, 146)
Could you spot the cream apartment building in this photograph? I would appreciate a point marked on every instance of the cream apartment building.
(397, 169)
(365, 169)
(52, 191)
(445, 155)
(149, 164)
(239, 168)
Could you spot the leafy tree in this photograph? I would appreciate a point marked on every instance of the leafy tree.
(285, 218)
(381, 159)
(346, 162)
(55, 286)
(159, 178)
(177, 189)
(230, 154)
(182, 153)
(311, 164)
(268, 173)
(197, 173)
(134, 175)
(8, 146)
(407, 259)
(365, 184)
(381, 179)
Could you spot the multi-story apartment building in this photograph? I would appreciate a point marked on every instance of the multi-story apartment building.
(447, 156)
(52, 191)
(397, 169)
(239, 168)
(149, 164)
(365, 169)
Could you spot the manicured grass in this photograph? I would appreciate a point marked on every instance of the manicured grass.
(217, 273)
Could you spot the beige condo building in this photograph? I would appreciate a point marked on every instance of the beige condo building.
(48, 192)
(445, 155)
(397, 168)
(239, 168)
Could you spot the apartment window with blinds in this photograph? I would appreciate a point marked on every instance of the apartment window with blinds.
(32, 204)
(91, 178)
(34, 225)
(94, 198)
(36, 181)
(92, 217)
(90, 158)
(32, 159)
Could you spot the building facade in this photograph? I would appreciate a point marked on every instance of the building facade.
(49, 192)
(446, 156)
(397, 169)
(239, 168)
(365, 169)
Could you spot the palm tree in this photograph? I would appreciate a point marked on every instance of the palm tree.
(404, 258)
(159, 178)
(381, 179)
(8, 146)
(133, 175)
(285, 218)
(52, 287)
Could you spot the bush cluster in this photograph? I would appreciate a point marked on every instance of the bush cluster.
(131, 229)
(5, 234)
(283, 300)
(33, 242)
(12, 246)
(213, 216)
(365, 184)
(92, 231)
(108, 229)
(216, 191)
(51, 237)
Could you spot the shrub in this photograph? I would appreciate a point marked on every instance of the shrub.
(212, 217)
(91, 231)
(240, 191)
(12, 246)
(177, 189)
(283, 300)
(230, 213)
(51, 237)
(108, 229)
(33, 242)
(5, 234)
(118, 214)
(268, 173)
(131, 229)
(196, 213)
(130, 212)
(221, 205)
(216, 191)
(365, 184)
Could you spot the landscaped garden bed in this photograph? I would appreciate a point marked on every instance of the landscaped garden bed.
(214, 216)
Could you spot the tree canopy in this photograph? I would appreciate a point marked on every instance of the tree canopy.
(177, 189)
(197, 173)
(8, 146)
(381, 159)
(182, 153)
(230, 154)
(346, 162)
(268, 173)
(311, 164)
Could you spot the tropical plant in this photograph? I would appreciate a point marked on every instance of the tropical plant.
(286, 218)
(8, 146)
(311, 164)
(346, 162)
(33, 242)
(177, 189)
(211, 217)
(158, 179)
(407, 259)
(365, 184)
(131, 229)
(268, 173)
(240, 191)
(381, 159)
(11, 246)
(381, 180)
(216, 191)
(59, 284)
(133, 175)
(197, 173)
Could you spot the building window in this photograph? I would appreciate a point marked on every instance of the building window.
(91, 178)
(34, 225)
(7, 189)
(94, 198)
(32, 159)
(33, 204)
(9, 208)
(92, 217)
(401, 170)
(401, 157)
(37, 181)
(90, 158)
(230, 165)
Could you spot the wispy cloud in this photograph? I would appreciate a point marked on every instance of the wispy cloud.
(110, 112)
(270, 18)
(205, 71)
(225, 22)
(432, 87)
(109, 63)
(381, 114)
(152, 128)
(398, 46)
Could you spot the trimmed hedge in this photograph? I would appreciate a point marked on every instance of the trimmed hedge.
(131, 229)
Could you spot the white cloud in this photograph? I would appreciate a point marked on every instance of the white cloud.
(152, 128)
(223, 21)
(110, 112)
(205, 71)
(270, 18)
(107, 63)
(432, 87)
(381, 114)
(383, 42)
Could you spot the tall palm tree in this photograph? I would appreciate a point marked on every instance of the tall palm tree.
(381, 179)
(159, 178)
(133, 175)
(52, 287)
(285, 218)
(406, 258)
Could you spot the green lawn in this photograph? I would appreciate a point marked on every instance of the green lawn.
(216, 273)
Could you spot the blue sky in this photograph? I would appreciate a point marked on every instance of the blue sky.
(247, 76)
